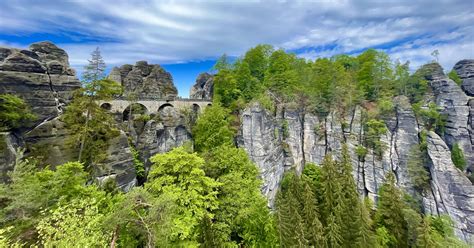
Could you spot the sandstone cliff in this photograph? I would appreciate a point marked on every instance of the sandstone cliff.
(203, 88)
(308, 138)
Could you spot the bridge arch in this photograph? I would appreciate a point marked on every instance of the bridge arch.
(107, 106)
(164, 105)
(196, 108)
(134, 109)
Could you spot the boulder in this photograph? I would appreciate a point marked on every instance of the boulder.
(203, 88)
(145, 81)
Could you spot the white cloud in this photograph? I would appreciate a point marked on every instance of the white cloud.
(175, 31)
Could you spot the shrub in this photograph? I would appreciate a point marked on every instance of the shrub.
(454, 76)
(361, 152)
(457, 157)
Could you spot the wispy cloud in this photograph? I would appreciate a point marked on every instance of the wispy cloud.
(177, 31)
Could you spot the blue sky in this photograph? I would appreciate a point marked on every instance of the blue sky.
(187, 36)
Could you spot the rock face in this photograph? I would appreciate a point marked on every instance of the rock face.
(145, 80)
(454, 103)
(260, 136)
(203, 88)
(309, 138)
(465, 71)
(8, 154)
(161, 134)
(453, 193)
(41, 76)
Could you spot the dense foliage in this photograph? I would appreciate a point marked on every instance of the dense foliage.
(209, 194)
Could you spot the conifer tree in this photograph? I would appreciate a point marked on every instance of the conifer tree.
(314, 232)
(290, 223)
(390, 212)
(351, 205)
(332, 202)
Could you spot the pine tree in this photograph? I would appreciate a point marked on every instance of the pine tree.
(365, 235)
(314, 231)
(291, 227)
(390, 212)
(95, 88)
(333, 232)
(351, 205)
(332, 204)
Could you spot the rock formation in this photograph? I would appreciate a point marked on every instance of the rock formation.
(144, 80)
(41, 76)
(465, 71)
(308, 138)
(203, 88)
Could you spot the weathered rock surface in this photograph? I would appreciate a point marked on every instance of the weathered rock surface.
(465, 71)
(260, 136)
(41, 76)
(119, 164)
(453, 193)
(203, 88)
(454, 104)
(163, 133)
(144, 80)
(49, 143)
(8, 154)
(309, 138)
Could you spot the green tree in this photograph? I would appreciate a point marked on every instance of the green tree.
(179, 175)
(281, 77)
(314, 231)
(92, 131)
(390, 213)
(14, 112)
(332, 202)
(457, 157)
(78, 222)
(140, 219)
(242, 209)
(32, 190)
(290, 223)
(212, 129)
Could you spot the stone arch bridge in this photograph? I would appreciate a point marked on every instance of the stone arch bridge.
(153, 106)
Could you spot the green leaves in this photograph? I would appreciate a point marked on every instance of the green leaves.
(180, 175)
(457, 157)
(212, 129)
(14, 112)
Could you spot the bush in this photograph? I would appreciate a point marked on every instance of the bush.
(454, 76)
(457, 157)
(361, 152)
